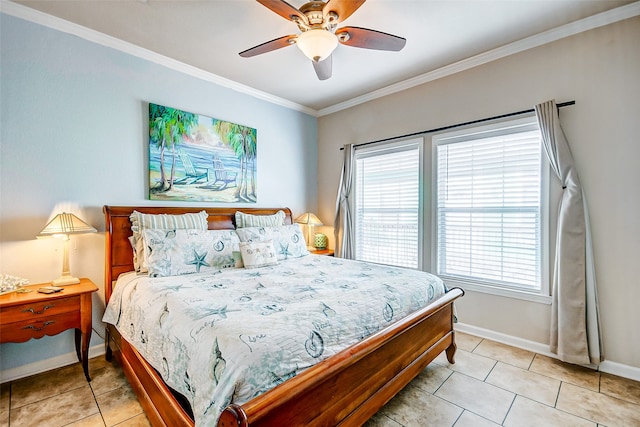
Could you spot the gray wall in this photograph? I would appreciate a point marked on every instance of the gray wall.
(74, 129)
(600, 70)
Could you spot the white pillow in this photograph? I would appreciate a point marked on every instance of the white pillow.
(141, 221)
(177, 252)
(248, 220)
(288, 240)
(258, 254)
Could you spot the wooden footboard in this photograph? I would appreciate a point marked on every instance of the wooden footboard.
(350, 387)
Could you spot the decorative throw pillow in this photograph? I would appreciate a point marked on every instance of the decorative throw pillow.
(177, 252)
(258, 254)
(141, 221)
(288, 240)
(248, 220)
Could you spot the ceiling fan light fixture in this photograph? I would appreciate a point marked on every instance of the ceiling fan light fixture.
(317, 44)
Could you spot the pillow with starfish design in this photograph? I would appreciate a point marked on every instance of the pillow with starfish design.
(141, 221)
(177, 252)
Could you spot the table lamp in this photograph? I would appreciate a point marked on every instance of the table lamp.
(310, 220)
(61, 226)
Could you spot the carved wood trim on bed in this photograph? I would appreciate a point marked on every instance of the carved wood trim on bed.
(346, 389)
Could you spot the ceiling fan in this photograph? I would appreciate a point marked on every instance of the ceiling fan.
(319, 37)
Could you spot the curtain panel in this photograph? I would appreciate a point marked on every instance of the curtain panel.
(575, 330)
(343, 226)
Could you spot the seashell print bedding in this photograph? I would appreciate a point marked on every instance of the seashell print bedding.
(230, 335)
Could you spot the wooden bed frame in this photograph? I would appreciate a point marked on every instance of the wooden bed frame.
(345, 389)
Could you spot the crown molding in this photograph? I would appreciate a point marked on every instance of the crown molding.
(46, 20)
(582, 25)
(605, 18)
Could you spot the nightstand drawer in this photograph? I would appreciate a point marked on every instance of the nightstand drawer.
(38, 310)
(39, 326)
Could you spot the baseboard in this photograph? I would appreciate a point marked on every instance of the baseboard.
(522, 343)
(613, 368)
(620, 370)
(47, 364)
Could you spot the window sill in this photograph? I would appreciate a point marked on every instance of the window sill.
(500, 291)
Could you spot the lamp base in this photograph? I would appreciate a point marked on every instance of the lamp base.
(65, 280)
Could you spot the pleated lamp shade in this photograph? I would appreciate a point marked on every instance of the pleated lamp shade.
(62, 225)
(310, 220)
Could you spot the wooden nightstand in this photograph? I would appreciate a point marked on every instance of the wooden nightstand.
(327, 252)
(33, 315)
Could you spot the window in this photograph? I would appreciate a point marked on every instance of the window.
(387, 204)
(490, 193)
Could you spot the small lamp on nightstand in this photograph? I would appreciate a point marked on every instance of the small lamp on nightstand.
(61, 226)
(310, 220)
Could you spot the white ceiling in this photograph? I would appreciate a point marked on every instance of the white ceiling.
(209, 34)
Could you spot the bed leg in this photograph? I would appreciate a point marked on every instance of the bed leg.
(108, 353)
(451, 351)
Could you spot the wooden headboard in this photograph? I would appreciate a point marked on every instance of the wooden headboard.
(118, 252)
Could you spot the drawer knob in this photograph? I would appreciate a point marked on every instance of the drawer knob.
(45, 308)
(44, 325)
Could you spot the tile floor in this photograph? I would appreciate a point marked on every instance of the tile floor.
(491, 384)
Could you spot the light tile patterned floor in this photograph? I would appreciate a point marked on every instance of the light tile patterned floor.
(491, 384)
(63, 397)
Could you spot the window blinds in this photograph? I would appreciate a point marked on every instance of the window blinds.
(387, 206)
(489, 209)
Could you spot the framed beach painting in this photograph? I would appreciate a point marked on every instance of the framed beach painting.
(196, 158)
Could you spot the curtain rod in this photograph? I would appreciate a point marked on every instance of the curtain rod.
(502, 116)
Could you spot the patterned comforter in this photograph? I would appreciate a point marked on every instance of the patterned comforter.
(231, 335)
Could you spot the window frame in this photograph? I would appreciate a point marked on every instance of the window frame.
(388, 148)
(502, 127)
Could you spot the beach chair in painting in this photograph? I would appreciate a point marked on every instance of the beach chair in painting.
(223, 175)
(192, 175)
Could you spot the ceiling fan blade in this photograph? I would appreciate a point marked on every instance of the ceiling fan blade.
(269, 46)
(369, 39)
(283, 9)
(343, 8)
(323, 68)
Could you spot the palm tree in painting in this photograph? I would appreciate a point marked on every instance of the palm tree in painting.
(242, 140)
(167, 128)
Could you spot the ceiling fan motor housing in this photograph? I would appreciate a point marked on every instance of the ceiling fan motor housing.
(315, 17)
